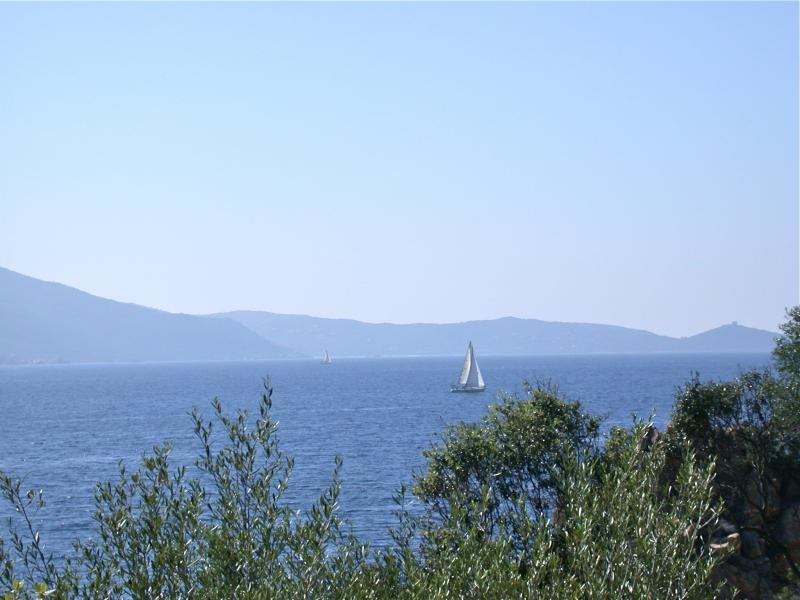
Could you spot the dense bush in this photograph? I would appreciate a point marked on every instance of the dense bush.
(787, 347)
(787, 362)
(618, 534)
(514, 454)
(749, 427)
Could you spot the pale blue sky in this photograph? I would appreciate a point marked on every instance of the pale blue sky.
(631, 163)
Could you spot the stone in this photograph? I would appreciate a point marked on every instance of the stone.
(743, 577)
(762, 499)
(788, 533)
(753, 545)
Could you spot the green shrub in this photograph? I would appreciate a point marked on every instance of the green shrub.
(750, 427)
(619, 534)
(738, 424)
(513, 453)
(787, 346)
(787, 362)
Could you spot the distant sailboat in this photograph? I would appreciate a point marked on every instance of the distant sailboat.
(326, 360)
(471, 379)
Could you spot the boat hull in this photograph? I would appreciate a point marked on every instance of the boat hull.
(466, 390)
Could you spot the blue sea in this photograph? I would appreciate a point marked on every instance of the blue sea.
(66, 427)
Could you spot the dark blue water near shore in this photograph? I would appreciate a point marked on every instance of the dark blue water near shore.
(64, 428)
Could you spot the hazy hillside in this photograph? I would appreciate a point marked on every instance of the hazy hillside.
(50, 322)
(733, 337)
(42, 321)
(311, 335)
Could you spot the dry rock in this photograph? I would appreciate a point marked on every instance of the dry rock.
(789, 530)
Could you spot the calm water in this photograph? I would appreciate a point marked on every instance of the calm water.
(66, 427)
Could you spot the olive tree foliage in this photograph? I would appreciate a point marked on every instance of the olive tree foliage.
(512, 455)
(787, 346)
(624, 535)
(530, 492)
(24, 549)
(787, 362)
(619, 534)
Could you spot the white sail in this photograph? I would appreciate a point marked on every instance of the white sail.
(467, 368)
(471, 378)
(475, 378)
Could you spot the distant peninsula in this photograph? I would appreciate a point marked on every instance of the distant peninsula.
(45, 322)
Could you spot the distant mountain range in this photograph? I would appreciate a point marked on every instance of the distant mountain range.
(506, 336)
(49, 322)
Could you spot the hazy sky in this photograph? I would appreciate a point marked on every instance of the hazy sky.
(631, 163)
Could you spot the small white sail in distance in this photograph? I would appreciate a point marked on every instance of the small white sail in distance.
(471, 378)
(326, 360)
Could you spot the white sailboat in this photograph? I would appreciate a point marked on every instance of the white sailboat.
(471, 379)
(326, 360)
